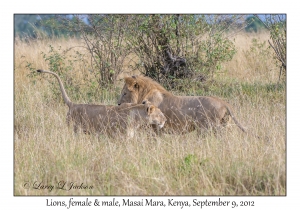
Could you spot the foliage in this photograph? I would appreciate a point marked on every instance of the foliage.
(258, 48)
(258, 55)
(54, 27)
(254, 24)
(231, 89)
(164, 47)
(276, 24)
(39, 26)
(167, 48)
(61, 62)
(171, 47)
(103, 36)
(22, 26)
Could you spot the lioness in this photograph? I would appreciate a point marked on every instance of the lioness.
(110, 119)
(184, 113)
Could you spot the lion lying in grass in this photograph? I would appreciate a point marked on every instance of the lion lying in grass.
(110, 120)
(184, 113)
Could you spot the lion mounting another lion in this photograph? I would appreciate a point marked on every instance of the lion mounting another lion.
(184, 113)
(110, 120)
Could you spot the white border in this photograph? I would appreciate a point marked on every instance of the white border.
(8, 201)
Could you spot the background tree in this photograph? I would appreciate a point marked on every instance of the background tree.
(40, 25)
(254, 24)
(103, 37)
(276, 24)
(171, 47)
(24, 24)
(167, 48)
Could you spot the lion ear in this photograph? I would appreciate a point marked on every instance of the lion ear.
(150, 109)
(131, 82)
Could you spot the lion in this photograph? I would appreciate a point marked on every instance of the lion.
(108, 119)
(183, 113)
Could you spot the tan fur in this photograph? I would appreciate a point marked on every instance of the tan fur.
(110, 120)
(184, 113)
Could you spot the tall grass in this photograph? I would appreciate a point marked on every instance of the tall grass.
(253, 61)
(230, 162)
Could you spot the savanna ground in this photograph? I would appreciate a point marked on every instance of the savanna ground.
(229, 163)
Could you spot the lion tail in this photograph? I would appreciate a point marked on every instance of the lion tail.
(235, 120)
(64, 94)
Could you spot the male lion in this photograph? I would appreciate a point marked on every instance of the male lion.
(184, 113)
(110, 119)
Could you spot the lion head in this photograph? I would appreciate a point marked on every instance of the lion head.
(154, 115)
(129, 92)
(139, 88)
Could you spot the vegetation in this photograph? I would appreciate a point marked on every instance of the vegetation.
(254, 24)
(164, 47)
(46, 151)
(276, 24)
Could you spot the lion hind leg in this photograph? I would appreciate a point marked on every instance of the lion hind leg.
(225, 121)
(70, 121)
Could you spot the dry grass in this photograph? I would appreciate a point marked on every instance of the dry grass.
(229, 163)
(251, 66)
